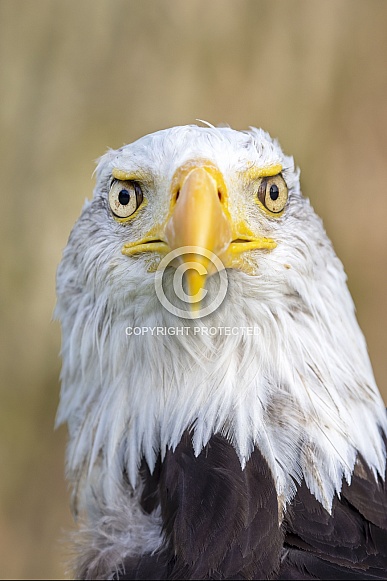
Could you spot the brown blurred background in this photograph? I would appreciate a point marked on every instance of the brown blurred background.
(79, 76)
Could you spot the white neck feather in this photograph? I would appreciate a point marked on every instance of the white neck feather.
(302, 389)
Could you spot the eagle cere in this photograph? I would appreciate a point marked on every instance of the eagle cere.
(227, 455)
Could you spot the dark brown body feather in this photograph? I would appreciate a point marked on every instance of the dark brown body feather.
(222, 522)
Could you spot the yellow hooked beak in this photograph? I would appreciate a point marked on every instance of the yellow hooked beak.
(199, 219)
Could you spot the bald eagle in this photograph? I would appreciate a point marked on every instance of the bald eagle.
(223, 417)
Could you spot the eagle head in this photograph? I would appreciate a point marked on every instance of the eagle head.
(199, 293)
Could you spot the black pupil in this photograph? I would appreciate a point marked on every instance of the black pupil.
(124, 197)
(274, 192)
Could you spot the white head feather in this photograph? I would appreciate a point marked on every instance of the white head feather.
(302, 389)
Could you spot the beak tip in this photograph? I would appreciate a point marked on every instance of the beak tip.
(195, 283)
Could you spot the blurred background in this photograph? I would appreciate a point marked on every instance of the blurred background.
(78, 77)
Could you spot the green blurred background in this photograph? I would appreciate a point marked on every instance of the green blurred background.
(78, 76)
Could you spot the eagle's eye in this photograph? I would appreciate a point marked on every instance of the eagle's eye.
(273, 193)
(124, 198)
